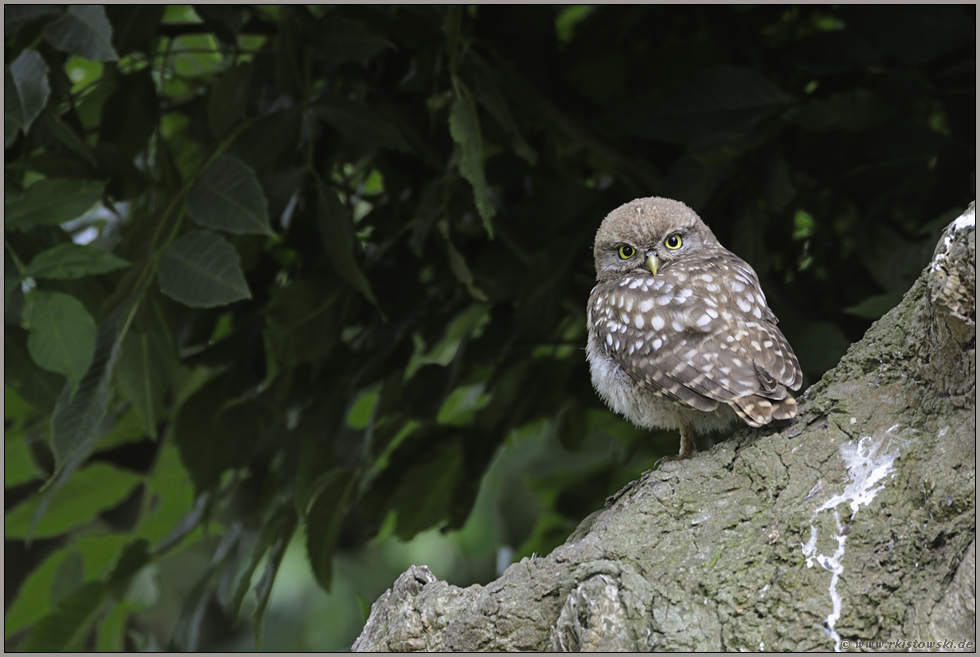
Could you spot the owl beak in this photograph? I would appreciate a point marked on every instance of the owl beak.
(653, 263)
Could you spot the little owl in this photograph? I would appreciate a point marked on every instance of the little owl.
(680, 335)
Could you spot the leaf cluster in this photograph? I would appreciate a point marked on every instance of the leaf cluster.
(272, 267)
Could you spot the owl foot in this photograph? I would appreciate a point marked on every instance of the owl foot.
(688, 448)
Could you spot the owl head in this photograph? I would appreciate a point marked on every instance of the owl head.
(649, 234)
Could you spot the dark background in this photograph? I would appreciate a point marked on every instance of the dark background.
(434, 179)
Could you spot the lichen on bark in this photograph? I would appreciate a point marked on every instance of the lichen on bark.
(854, 522)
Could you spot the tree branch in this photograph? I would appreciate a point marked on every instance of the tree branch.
(855, 522)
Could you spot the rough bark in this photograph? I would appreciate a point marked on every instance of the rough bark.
(855, 522)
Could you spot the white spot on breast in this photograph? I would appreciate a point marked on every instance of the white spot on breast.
(749, 297)
(635, 283)
(707, 278)
(639, 345)
(757, 311)
(609, 339)
(737, 286)
(624, 318)
(646, 305)
(638, 321)
(767, 344)
(756, 345)
(681, 277)
(744, 306)
(657, 322)
(677, 326)
(711, 287)
(664, 300)
(703, 320)
(629, 304)
(657, 343)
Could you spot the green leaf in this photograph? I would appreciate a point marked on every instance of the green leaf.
(227, 99)
(202, 270)
(345, 40)
(227, 196)
(145, 370)
(131, 114)
(265, 140)
(48, 202)
(133, 26)
(26, 89)
(70, 138)
(464, 126)
(56, 630)
(134, 556)
(62, 335)
(69, 577)
(112, 629)
(489, 96)
(711, 102)
(458, 264)
(275, 536)
(325, 519)
(302, 322)
(73, 261)
(337, 235)
(83, 30)
(77, 421)
(424, 494)
(355, 121)
(876, 306)
(848, 112)
(36, 386)
(215, 430)
(263, 588)
(85, 495)
(33, 600)
(18, 465)
(17, 16)
(126, 428)
(163, 525)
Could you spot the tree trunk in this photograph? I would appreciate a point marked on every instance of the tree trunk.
(854, 523)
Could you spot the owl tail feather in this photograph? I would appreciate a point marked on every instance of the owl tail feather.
(757, 411)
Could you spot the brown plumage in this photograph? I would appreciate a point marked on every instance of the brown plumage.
(680, 335)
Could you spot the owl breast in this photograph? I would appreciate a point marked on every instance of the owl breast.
(638, 404)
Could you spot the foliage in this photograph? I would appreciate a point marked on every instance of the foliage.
(273, 267)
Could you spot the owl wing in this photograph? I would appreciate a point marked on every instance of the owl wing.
(678, 338)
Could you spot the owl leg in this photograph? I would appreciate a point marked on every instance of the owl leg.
(688, 448)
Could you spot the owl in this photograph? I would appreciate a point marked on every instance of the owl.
(680, 335)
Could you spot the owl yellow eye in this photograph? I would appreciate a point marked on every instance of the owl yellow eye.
(673, 242)
(626, 251)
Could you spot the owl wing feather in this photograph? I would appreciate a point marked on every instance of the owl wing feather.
(699, 340)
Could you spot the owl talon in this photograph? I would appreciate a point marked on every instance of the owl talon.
(688, 450)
